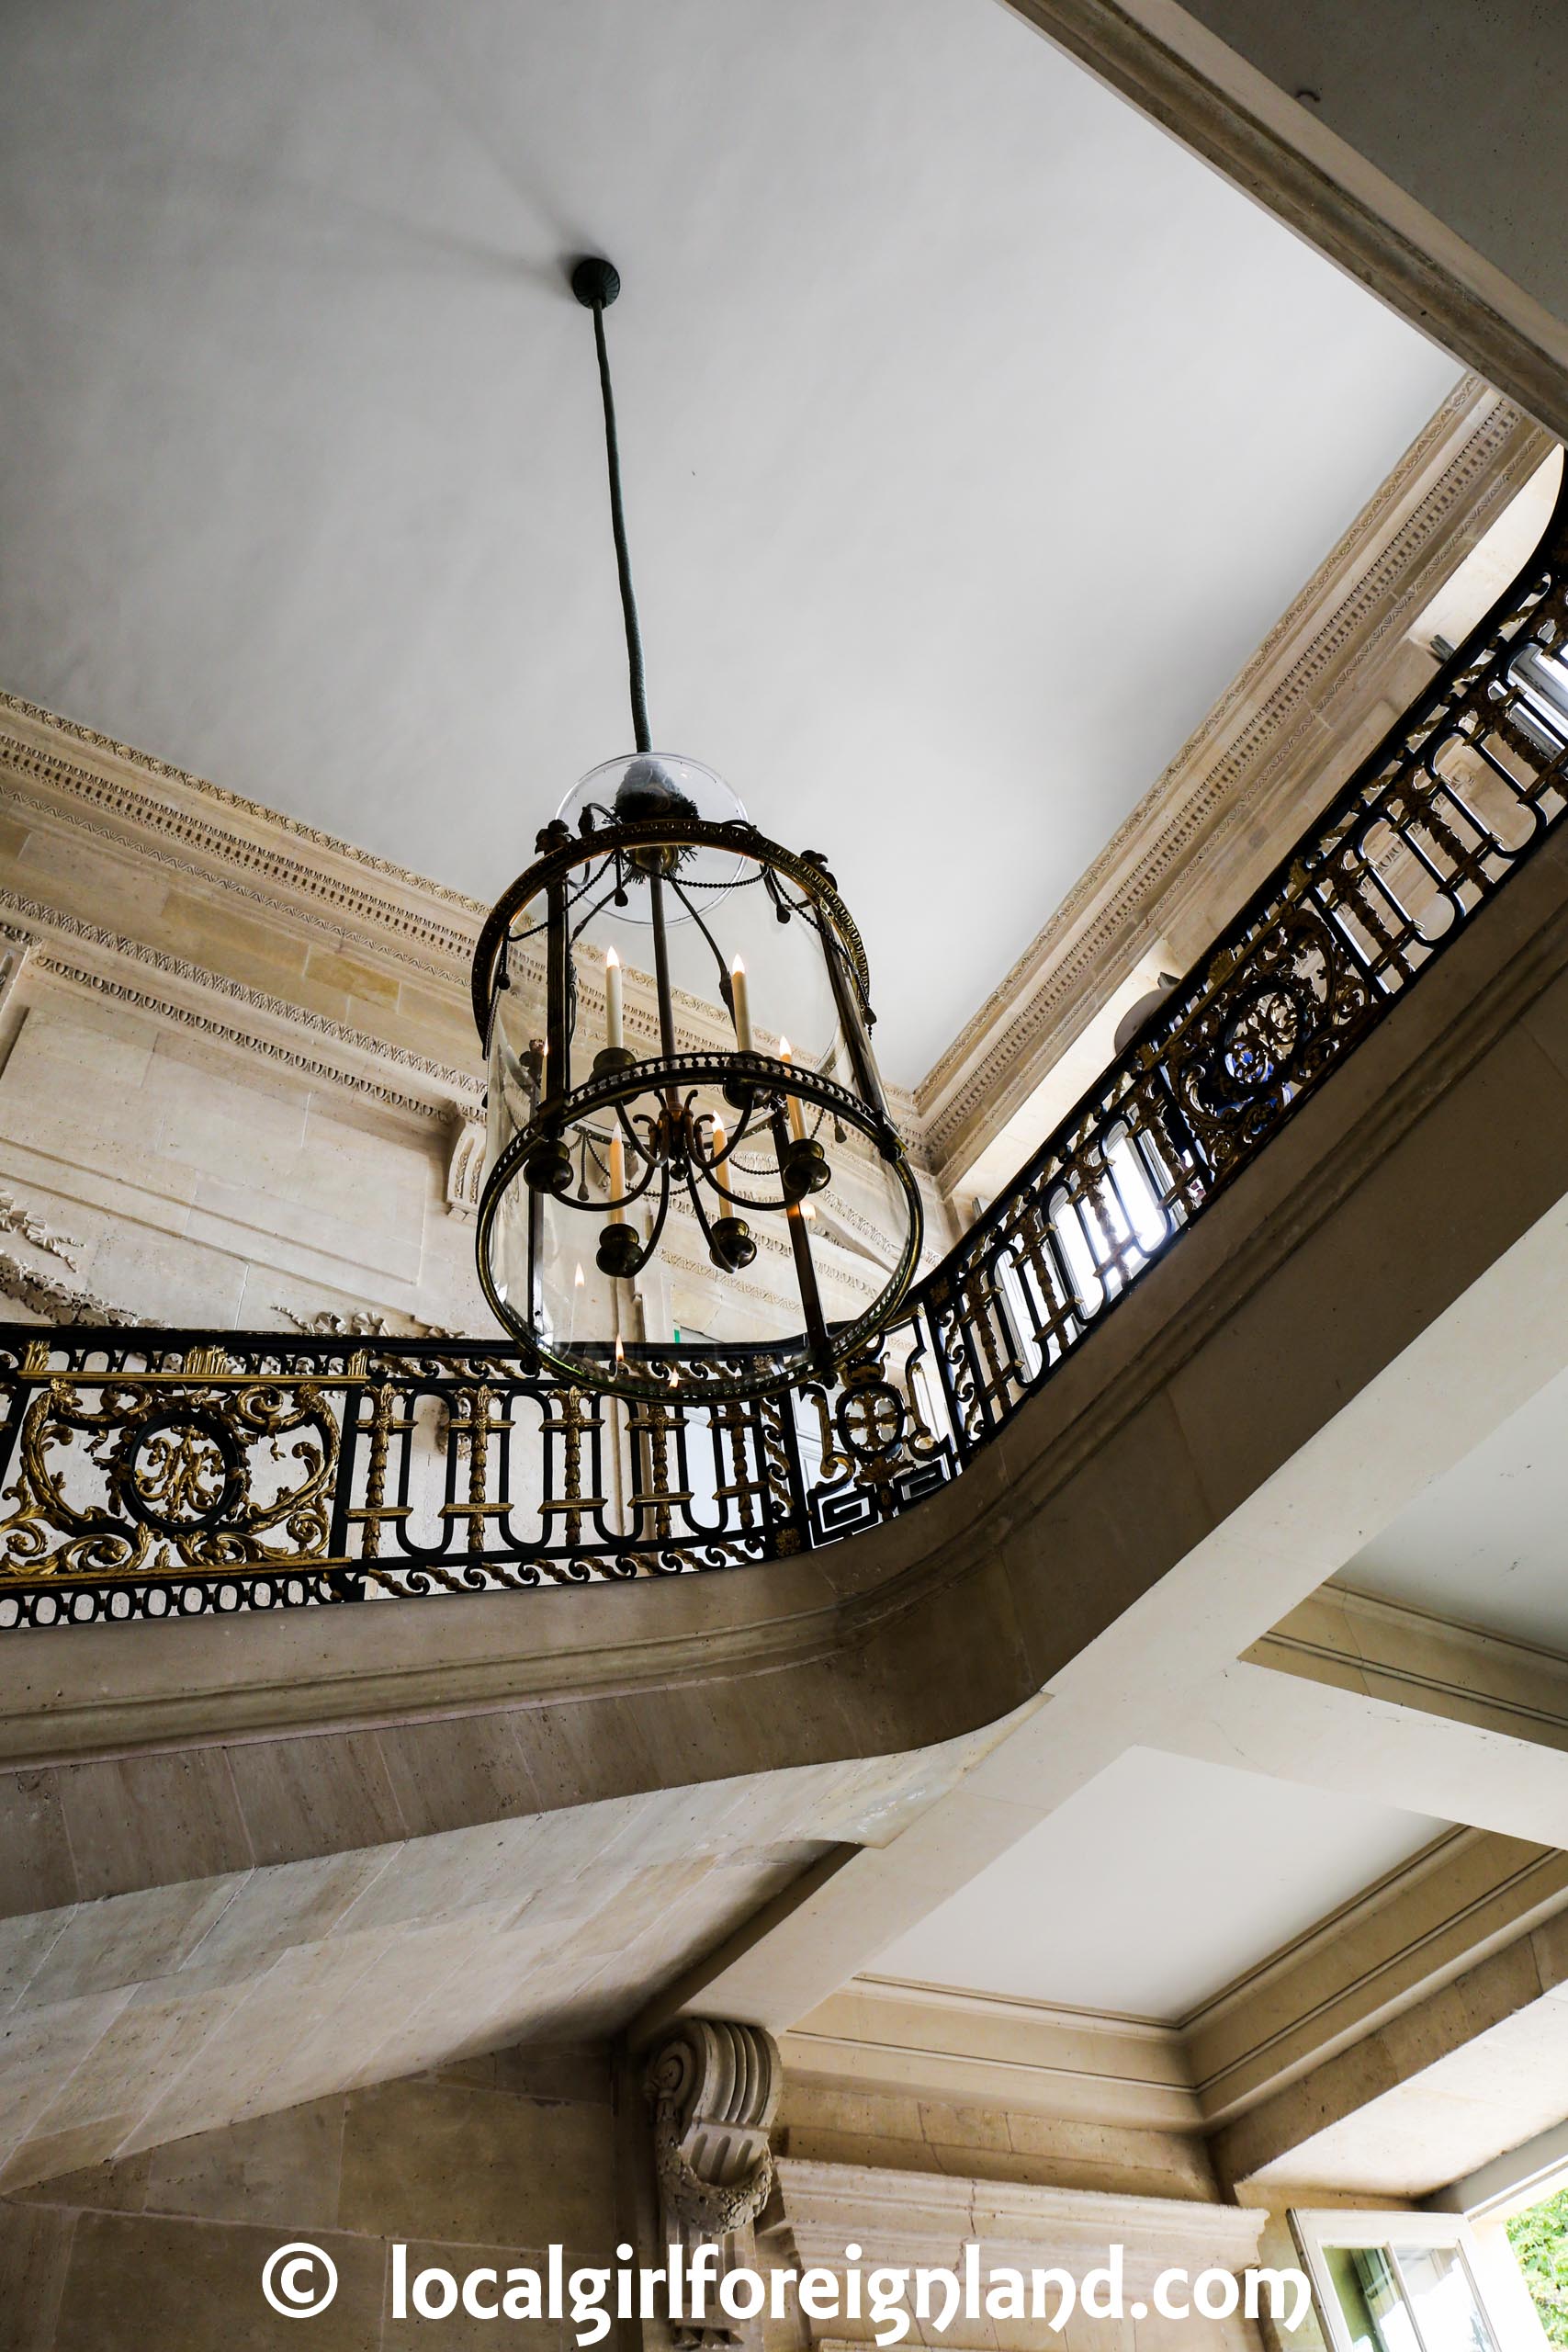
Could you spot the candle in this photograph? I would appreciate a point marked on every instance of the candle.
(576, 1298)
(721, 1140)
(617, 1177)
(613, 999)
(796, 1124)
(742, 1010)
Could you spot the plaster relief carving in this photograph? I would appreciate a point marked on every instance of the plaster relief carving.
(38, 1290)
(57, 1302)
(362, 1323)
(714, 2087)
(15, 1218)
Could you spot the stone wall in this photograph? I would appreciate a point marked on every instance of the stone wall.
(240, 1081)
(486, 2162)
(905, 2220)
(492, 2161)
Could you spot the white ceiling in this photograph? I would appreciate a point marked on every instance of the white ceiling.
(976, 434)
(1484, 1542)
(1154, 1886)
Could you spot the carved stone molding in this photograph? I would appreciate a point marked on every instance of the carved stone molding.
(17, 1218)
(714, 2088)
(38, 1288)
(123, 784)
(1176, 70)
(465, 1164)
(67, 779)
(15, 947)
(1260, 748)
(126, 970)
(362, 1323)
(58, 1302)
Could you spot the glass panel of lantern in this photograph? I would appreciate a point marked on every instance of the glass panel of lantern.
(718, 1200)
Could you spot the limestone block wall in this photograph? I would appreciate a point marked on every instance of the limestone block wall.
(240, 1081)
(238, 1069)
(980, 2138)
(903, 2219)
(184, 1184)
(488, 2161)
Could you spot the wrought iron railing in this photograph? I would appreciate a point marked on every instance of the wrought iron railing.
(177, 1473)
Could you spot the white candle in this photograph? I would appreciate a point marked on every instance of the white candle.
(742, 1011)
(576, 1298)
(612, 998)
(796, 1124)
(618, 1177)
(721, 1140)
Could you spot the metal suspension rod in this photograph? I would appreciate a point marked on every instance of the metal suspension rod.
(596, 283)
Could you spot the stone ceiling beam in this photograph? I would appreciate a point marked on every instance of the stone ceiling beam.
(1366, 1699)
(1231, 102)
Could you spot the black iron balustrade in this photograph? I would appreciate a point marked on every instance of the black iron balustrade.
(165, 1473)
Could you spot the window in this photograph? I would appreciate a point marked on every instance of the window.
(1398, 2283)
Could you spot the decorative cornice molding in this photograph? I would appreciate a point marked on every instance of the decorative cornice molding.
(138, 806)
(184, 1016)
(326, 918)
(110, 975)
(1475, 453)
(235, 991)
(926, 2216)
(1416, 1928)
(892, 2038)
(186, 826)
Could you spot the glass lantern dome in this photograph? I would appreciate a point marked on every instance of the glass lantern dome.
(691, 1179)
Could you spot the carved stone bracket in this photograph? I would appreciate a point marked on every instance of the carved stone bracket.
(465, 1163)
(714, 2088)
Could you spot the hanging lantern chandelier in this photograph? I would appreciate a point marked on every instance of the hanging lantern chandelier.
(692, 1184)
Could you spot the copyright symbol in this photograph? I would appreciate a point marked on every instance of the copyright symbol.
(288, 2280)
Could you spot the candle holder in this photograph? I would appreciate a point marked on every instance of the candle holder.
(668, 1157)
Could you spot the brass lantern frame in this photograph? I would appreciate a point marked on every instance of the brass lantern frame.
(758, 1084)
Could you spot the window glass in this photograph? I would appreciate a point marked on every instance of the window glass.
(1442, 2298)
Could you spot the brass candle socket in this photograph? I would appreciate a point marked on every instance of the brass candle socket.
(803, 1169)
(619, 1252)
(547, 1167)
(730, 1245)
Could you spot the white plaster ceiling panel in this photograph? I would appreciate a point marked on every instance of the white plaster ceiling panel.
(974, 432)
(1483, 1542)
(1154, 1886)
